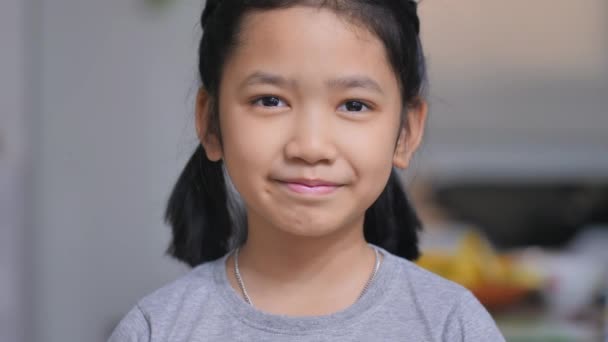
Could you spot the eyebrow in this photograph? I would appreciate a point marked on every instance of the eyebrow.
(261, 77)
(356, 81)
(346, 82)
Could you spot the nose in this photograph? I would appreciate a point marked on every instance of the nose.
(311, 140)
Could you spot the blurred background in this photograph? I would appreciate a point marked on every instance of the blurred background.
(96, 122)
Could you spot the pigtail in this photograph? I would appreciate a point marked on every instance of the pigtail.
(210, 6)
(391, 222)
(197, 212)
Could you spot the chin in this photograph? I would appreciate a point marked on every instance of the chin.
(309, 232)
(315, 228)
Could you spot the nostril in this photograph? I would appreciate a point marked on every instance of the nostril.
(310, 153)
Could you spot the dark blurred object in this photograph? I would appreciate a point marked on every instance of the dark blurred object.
(520, 214)
(497, 297)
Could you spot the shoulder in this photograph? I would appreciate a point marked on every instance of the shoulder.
(197, 283)
(133, 327)
(156, 313)
(427, 286)
(449, 311)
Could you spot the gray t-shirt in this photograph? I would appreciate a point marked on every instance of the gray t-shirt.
(403, 303)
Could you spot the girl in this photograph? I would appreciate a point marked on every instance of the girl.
(290, 211)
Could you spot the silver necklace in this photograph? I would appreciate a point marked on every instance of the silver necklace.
(239, 279)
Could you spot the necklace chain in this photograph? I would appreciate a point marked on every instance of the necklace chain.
(239, 279)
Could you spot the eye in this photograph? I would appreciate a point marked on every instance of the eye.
(269, 101)
(354, 106)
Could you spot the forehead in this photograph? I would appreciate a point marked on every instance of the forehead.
(309, 41)
(300, 16)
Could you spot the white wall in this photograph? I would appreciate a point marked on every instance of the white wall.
(12, 170)
(518, 88)
(114, 131)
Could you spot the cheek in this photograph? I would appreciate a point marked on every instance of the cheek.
(249, 148)
(371, 156)
(371, 148)
(372, 173)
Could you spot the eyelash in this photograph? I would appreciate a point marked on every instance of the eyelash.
(258, 99)
(368, 107)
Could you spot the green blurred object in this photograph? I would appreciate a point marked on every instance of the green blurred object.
(535, 328)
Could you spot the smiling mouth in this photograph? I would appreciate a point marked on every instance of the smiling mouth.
(310, 186)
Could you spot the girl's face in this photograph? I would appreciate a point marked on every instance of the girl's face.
(310, 121)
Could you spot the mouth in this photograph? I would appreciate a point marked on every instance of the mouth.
(310, 186)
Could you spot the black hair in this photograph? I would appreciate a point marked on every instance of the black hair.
(201, 210)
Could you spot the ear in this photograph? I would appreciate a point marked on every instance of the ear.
(410, 135)
(208, 138)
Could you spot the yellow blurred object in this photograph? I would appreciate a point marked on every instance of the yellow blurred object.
(494, 278)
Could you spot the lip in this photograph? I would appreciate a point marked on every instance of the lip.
(310, 186)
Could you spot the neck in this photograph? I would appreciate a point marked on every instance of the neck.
(275, 253)
(300, 275)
